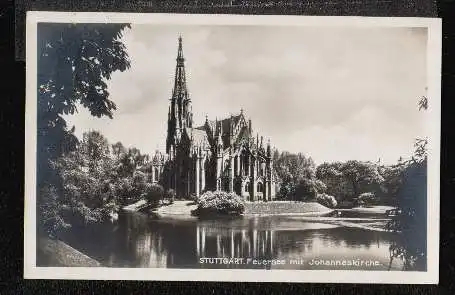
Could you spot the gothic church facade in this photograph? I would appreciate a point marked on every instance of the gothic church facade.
(221, 154)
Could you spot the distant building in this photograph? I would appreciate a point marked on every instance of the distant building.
(221, 154)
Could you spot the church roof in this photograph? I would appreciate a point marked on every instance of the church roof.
(202, 133)
(226, 123)
(199, 135)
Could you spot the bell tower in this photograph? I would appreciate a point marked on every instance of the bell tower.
(180, 114)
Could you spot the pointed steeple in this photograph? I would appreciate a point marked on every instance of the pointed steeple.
(180, 57)
(221, 128)
(180, 110)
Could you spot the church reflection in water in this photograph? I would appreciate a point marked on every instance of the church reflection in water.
(233, 242)
(140, 241)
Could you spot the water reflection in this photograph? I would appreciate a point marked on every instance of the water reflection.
(140, 241)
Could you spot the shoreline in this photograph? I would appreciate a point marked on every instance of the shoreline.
(52, 252)
(182, 209)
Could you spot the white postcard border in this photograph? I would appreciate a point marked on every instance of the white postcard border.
(431, 276)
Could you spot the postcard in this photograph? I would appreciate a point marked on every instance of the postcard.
(232, 148)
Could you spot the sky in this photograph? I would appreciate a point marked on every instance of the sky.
(332, 93)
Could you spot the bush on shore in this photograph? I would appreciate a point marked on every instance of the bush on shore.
(326, 200)
(154, 193)
(366, 199)
(170, 195)
(219, 202)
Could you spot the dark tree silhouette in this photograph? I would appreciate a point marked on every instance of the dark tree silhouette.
(73, 63)
(410, 220)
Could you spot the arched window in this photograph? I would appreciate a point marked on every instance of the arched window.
(236, 168)
(259, 189)
(156, 174)
(247, 187)
(225, 168)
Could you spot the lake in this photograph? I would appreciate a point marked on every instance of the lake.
(274, 242)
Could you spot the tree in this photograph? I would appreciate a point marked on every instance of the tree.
(308, 188)
(297, 175)
(118, 149)
(87, 174)
(74, 62)
(360, 174)
(393, 180)
(331, 175)
(410, 219)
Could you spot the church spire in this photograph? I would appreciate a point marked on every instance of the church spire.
(180, 57)
(180, 116)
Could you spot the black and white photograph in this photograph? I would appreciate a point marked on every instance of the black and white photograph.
(239, 148)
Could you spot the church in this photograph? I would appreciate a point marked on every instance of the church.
(221, 154)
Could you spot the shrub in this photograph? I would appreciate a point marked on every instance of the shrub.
(153, 193)
(193, 198)
(366, 199)
(307, 189)
(51, 210)
(125, 191)
(326, 200)
(170, 195)
(220, 202)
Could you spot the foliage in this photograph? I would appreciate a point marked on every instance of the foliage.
(129, 160)
(153, 193)
(74, 62)
(410, 218)
(360, 174)
(93, 185)
(346, 180)
(326, 200)
(423, 103)
(51, 210)
(170, 195)
(307, 189)
(393, 181)
(297, 177)
(420, 152)
(332, 176)
(220, 202)
(87, 175)
(366, 199)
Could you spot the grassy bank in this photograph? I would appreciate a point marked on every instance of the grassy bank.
(57, 253)
(139, 205)
(183, 209)
(285, 208)
(178, 209)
